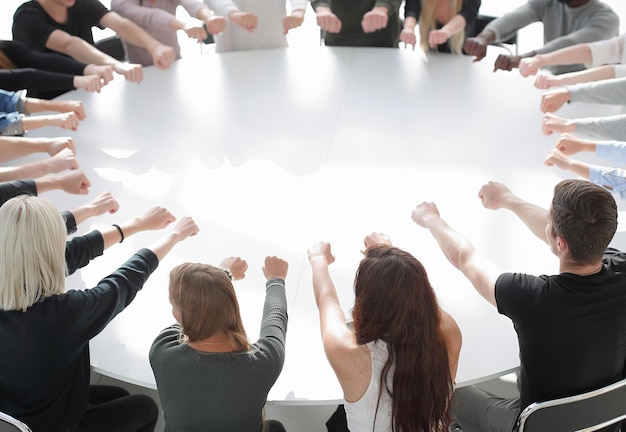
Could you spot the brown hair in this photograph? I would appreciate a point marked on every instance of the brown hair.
(208, 304)
(395, 302)
(585, 215)
(5, 62)
(428, 22)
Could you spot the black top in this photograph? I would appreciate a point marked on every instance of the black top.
(33, 26)
(44, 354)
(571, 329)
(469, 11)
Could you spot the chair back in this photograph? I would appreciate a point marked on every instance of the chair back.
(9, 424)
(585, 412)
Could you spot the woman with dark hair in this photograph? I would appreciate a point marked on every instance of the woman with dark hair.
(209, 376)
(397, 366)
(47, 75)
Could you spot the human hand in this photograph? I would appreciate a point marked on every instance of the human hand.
(75, 106)
(294, 20)
(163, 56)
(424, 212)
(529, 66)
(546, 80)
(62, 161)
(408, 37)
(245, 20)
(55, 145)
(554, 124)
(437, 37)
(376, 239)
(493, 195)
(132, 72)
(558, 159)
(327, 20)
(74, 182)
(67, 120)
(90, 83)
(186, 227)
(105, 72)
(154, 219)
(275, 268)
(553, 100)
(236, 266)
(216, 25)
(506, 62)
(476, 47)
(103, 203)
(196, 32)
(320, 252)
(569, 144)
(375, 19)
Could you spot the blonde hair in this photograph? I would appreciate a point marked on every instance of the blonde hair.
(32, 252)
(208, 304)
(428, 22)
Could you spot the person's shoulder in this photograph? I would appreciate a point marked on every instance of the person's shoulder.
(31, 6)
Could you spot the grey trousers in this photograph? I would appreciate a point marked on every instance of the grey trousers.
(477, 410)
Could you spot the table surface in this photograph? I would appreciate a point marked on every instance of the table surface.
(271, 151)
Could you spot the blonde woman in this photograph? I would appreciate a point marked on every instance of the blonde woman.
(45, 331)
(443, 24)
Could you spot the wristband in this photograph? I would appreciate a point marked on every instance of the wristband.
(209, 38)
(120, 231)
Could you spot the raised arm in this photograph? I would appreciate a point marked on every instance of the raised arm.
(186, 227)
(16, 147)
(155, 218)
(480, 271)
(548, 80)
(163, 56)
(65, 160)
(580, 53)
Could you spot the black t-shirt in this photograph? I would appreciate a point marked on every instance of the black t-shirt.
(571, 329)
(32, 25)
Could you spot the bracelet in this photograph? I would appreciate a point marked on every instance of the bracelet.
(120, 231)
(228, 273)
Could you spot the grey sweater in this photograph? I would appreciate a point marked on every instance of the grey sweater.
(221, 391)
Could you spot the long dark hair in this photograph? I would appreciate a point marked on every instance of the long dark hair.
(395, 302)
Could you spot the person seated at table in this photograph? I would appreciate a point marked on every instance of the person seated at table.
(571, 326)
(47, 75)
(397, 367)
(610, 91)
(45, 331)
(565, 23)
(605, 60)
(614, 179)
(158, 19)
(65, 27)
(443, 25)
(605, 127)
(15, 105)
(368, 23)
(268, 27)
(228, 389)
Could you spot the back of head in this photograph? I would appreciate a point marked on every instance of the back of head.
(585, 215)
(395, 302)
(208, 304)
(32, 252)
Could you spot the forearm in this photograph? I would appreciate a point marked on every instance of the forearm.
(605, 91)
(34, 105)
(533, 216)
(579, 168)
(82, 51)
(410, 23)
(36, 122)
(16, 147)
(455, 247)
(455, 25)
(112, 235)
(595, 74)
(566, 56)
(132, 33)
(26, 171)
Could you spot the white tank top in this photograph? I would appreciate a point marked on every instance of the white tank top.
(360, 414)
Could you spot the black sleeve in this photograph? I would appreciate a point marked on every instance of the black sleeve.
(15, 188)
(82, 249)
(70, 222)
(23, 57)
(413, 8)
(35, 80)
(469, 11)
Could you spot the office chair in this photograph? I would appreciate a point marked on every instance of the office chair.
(113, 47)
(9, 424)
(481, 23)
(586, 412)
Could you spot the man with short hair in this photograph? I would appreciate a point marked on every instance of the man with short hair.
(65, 26)
(571, 326)
(565, 23)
